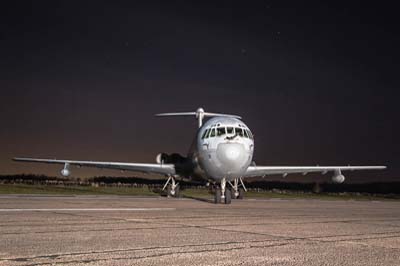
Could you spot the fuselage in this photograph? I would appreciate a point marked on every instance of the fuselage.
(223, 148)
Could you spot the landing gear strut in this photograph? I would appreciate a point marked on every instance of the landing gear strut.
(172, 187)
(238, 192)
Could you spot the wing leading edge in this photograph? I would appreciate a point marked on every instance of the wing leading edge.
(161, 169)
(285, 170)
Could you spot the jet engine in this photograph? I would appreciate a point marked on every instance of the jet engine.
(338, 178)
(65, 172)
(173, 158)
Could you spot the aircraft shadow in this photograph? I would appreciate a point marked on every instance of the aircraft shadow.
(198, 199)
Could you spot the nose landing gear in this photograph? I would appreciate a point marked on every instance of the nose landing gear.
(222, 194)
(225, 195)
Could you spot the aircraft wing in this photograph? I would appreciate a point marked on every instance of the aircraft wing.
(285, 170)
(161, 169)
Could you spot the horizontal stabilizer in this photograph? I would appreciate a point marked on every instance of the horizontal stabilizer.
(199, 114)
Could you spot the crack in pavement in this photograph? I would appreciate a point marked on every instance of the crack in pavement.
(131, 249)
(286, 240)
(151, 256)
(91, 230)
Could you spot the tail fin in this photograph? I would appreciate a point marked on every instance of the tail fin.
(200, 114)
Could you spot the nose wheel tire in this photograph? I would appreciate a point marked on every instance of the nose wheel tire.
(222, 194)
(217, 196)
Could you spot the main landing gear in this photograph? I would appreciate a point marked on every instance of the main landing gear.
(222, 194)
(172, 187)
(238, 188)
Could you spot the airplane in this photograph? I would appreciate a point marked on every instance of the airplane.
(221, 154)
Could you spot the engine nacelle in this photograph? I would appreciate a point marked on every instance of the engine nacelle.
(65, 172)
(338, 179)
(173, 158)
(161, 157)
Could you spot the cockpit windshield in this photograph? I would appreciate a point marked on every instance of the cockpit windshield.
(230, 131)
(245, 133)
(205, 133)
(238, 131)
(220, 131)
(249, 133)
(212, 134)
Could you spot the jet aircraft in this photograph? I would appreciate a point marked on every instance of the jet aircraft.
(221, 154)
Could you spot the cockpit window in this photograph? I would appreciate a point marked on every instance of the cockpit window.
(204, 134)
(249, 133)
(212, 134)
(220, 131)
(238, 131)
(245, 133)
(208, 133)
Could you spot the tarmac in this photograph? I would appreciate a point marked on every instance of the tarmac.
(120, 230)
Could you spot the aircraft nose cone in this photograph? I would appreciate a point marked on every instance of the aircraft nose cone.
(232, 152)
(232, 157)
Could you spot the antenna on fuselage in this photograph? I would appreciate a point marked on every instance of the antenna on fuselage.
(199, 114)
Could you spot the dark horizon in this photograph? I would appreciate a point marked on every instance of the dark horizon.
(316, 84)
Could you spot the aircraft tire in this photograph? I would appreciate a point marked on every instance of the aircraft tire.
(169, 194)
(228, 196)
(217, 196)
(169, 191)
(241, 193)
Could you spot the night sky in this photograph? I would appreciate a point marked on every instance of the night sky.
(316, 83)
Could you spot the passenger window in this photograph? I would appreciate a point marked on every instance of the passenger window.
(239, 131)
(212, 134)
(229, 130)
(245, 133)
(220, 131)
(204, 134)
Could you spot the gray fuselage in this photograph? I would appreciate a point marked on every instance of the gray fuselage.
(223, 147)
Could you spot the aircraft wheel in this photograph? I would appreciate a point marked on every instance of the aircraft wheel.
(171, 193)
(177, 192)
(228, 196)
(241, 193)
(217, 196)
